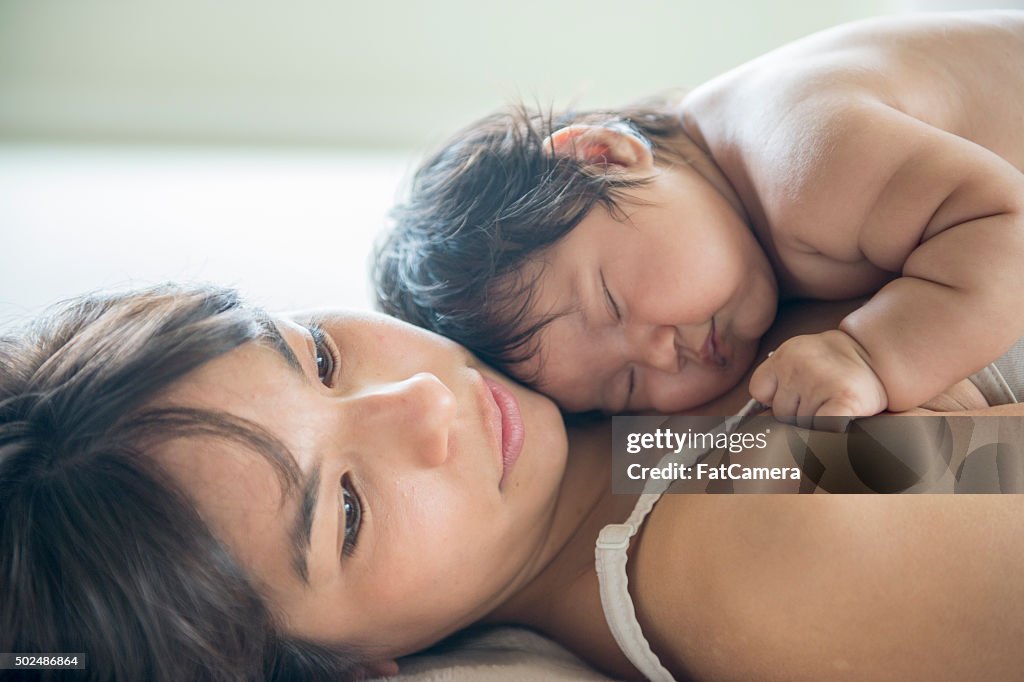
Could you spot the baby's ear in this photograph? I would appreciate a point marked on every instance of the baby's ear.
(601, 145)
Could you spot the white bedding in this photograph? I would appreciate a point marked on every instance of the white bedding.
(292, 229)
(505, 654)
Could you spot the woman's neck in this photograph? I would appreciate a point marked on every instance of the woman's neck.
(584, 506)
(563, 602)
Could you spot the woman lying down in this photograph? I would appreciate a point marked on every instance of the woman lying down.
(194, 490)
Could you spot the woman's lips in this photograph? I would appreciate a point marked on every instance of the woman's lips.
(711, 352)
(512, 431)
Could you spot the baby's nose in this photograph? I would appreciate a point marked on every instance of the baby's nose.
(657, 349)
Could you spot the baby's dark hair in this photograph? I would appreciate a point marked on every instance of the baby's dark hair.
(480, 208)
(100, 552)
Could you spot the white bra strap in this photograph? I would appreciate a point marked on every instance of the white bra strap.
(610, 553)
(611, 557)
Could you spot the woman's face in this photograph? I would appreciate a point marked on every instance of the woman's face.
(423, 511)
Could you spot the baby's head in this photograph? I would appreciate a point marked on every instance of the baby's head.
(584, 254)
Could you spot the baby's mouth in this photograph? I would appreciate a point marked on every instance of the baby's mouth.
(711, 352)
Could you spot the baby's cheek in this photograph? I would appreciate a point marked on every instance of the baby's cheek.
(571, 382)
(675, 393)
(686, 392)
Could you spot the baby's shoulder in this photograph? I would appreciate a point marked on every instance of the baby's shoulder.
(911, 64)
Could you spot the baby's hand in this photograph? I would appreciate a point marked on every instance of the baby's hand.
(809, 379)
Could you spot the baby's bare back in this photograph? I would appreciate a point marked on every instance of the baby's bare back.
(797, 133)
(882, 159)
(959, 72)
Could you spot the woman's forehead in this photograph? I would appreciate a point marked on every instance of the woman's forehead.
(241, 495)
(223, 474)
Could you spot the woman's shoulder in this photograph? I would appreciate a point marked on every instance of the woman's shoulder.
(819, 584)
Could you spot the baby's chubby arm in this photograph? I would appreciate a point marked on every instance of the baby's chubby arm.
(948, 216)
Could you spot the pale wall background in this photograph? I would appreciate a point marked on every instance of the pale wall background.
(260, 144)
(367, 74)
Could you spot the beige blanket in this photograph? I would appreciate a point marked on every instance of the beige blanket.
(500, 654)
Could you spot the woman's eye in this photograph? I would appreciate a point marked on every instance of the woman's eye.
(353, 510)
(612, 305)
(325, 358)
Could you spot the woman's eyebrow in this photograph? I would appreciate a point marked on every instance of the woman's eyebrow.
(270, 333)
(301, 530)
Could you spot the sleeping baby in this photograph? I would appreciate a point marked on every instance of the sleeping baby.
(631, 259)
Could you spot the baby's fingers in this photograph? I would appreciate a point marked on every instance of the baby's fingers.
(764, 382)
(834, 415)
(787, 405)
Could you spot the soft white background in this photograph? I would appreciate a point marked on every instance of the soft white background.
(260, 144)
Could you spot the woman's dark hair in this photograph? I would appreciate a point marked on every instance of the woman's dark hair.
(100, 553)
(480, 208)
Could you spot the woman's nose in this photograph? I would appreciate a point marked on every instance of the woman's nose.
(655, 347)
(410, 418)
